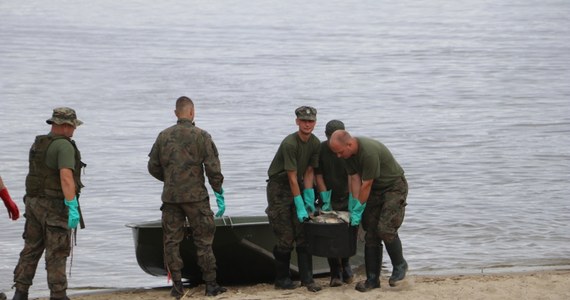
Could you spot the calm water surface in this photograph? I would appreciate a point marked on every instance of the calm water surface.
(472, 97)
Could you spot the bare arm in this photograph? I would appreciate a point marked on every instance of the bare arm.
(365, 189)
(309, 178)
(354, 184)
(67, 183)
(292, 176)
(321, 186)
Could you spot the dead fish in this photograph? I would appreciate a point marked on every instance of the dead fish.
(331, 217)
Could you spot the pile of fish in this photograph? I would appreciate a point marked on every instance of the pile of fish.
(330, 217)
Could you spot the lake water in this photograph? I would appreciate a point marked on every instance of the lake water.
(472, 97)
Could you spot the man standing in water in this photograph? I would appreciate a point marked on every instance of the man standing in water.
(378, 182)
(292, 167)
(179, 158)
(53, 185)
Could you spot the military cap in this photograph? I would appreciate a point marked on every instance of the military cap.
(64, 115)
(306, 113)
(332, 126)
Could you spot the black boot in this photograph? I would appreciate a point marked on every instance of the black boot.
(347, 275)
(19, 295)
(334, 264)
(399, 264)
(177, 290)
(282, 270)
(372, 260)
(59, 298)
(214, 289)
(305, 262)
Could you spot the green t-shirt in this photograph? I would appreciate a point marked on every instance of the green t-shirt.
(374, 161)
(333, 170)
(60, 155)
(295, 155)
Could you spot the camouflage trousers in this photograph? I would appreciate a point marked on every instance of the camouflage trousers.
(45, 229)
(384, 213)
(282, 216)
(201, 222)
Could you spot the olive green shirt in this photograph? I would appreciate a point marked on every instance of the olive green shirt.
(61, 155)
(295, 155)
(374, 161)
(333, 170)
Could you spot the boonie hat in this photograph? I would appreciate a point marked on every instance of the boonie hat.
(332, 126)
(64, 115)
(306, 113)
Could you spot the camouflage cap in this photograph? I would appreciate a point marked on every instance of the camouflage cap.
(306, 113)
(332, 126)
(64, 115)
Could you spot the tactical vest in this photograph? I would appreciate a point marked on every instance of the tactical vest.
(43, 181)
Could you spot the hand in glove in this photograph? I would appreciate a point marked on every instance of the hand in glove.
(326, 197)
(300, 206)
(309, 198)
(356, 214)
(73, 215)
(221, 203)
(13, 212)
(351, 202)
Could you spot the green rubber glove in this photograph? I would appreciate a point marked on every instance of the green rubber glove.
(300, 206)
(356, 214)
(309, 197)
(73, 215)
(326, 197)
(351, 202)
(221, 203)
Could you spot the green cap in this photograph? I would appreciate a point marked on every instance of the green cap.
(306, 113)
(332, 126)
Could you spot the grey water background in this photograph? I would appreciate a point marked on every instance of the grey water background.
(472, 97)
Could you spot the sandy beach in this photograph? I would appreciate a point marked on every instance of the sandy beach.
(552, 285)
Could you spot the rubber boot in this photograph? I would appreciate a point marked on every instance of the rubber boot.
(399, 264)
(59, 298)
(305, 262)
(214, 289)
(334, 264)
(19, 295)
(177, 290)
(347, 275)
(282, 270)
(372, 261)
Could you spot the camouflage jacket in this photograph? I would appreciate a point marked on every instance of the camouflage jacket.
(179, 157)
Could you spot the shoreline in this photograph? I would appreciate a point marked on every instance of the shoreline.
(544, 284)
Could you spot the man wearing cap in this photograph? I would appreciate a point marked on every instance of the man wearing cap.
(288, 205)
(332, 184)
(380, 189)
(53, 185)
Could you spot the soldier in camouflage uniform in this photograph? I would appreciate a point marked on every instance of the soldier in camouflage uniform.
(292, 167)
(53, 185)
(332, 184)
(380, 186)
(179, 157)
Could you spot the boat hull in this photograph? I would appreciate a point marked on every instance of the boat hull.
(242, 246)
